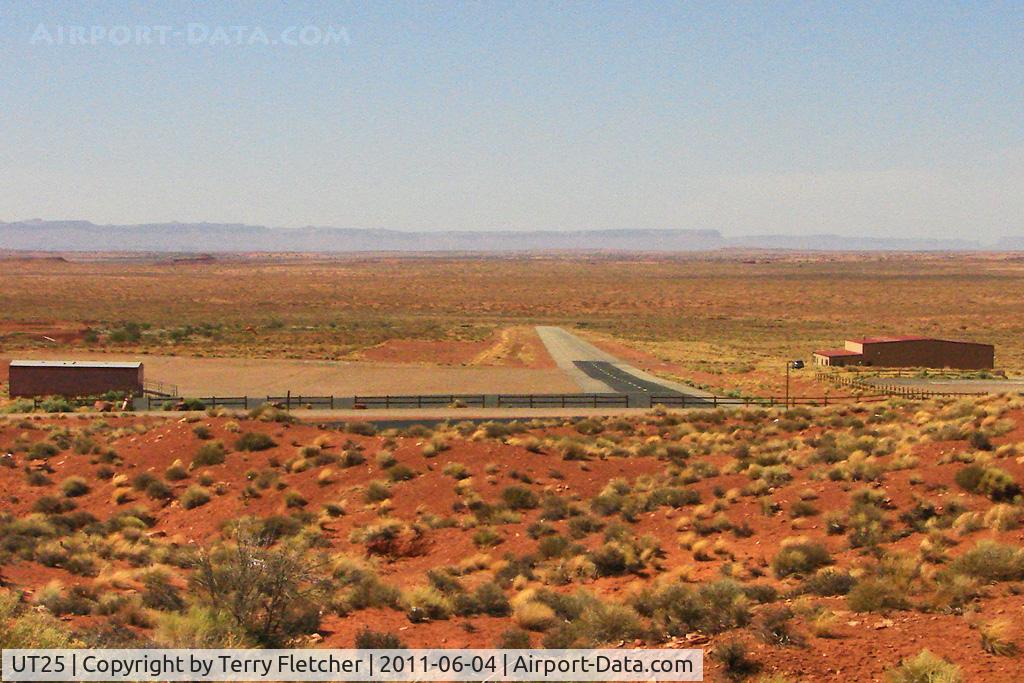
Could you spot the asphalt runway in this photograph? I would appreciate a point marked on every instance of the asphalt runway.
(619, 380)
(596, 371)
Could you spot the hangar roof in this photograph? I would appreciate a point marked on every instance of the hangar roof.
(71, 364)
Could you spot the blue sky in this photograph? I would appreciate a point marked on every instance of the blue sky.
(860, 118)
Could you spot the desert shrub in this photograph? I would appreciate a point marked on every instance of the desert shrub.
(376, 491)
(677, 609)
(199, 627)
(519, 498)
(979, 439)
(176, 471)
(273, 594)
(876, 594)
(294, 499)
(159, 490)
(160, 593)
(51, 505)
(72, 487)
(996, 638)
(56, 404)
(492, 600)
(828, 582)
(194, 496)
(78, 600)
(924, 667)
(802, 508)
(390, 538)
(589, 427)
(456, 470)
(360, 428)
(427, 603)
(1003, 517)
(271, 529)
(352, 457)
(212, 453)
(202, 432)
(774, 626)
(254, 441)
(596, 623)
(867, 524)
(21, 627)
(534, 616)
(993, 482)
(42, 451)
(671, 496)
(486, 537)
(401, 472)
(734, 654)
(552, 546)
(84, 445)
(37, 478)
(800, 557)
(514, 639)
(553, 508)
(583, 525)
(368, 639)
(991, 561)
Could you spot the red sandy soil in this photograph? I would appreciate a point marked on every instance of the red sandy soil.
(865, 644)
(800, 384)
(517, 347)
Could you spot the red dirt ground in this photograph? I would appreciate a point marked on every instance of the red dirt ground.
(800, 384)
(864, 644)
(517, 347)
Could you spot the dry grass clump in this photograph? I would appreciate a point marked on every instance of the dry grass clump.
(924, 667)
(997, 639)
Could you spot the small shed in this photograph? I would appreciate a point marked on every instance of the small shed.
(30, 378)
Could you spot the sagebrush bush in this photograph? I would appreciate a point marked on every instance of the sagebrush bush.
(991, 561)
(254, 441)
(212, 453)
(519, 498)
(194, 497)
(72, 487)
(800, 556)
(924, 667)
(368, 639)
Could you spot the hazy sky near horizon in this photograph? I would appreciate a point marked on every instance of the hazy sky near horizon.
(878, 118)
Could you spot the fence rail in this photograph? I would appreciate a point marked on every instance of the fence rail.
(563, 400)
(287, 400)
(609, 400)
(163, 389)
(890, 390)
(420, 401)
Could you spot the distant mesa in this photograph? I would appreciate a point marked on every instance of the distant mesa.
(197, 258)
(197, 242)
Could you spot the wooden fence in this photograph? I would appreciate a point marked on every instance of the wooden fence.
(563, 400)
(901, 390)
(420, 401)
